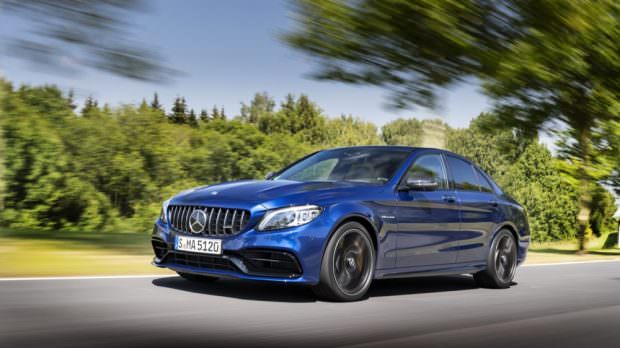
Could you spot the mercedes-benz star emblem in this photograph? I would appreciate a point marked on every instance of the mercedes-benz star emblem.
(197, 221)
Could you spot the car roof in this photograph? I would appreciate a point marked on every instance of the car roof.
(395, 147)
(400, 147)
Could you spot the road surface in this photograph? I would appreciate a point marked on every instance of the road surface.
(575, 305)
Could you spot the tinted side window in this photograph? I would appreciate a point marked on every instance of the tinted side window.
(485, 185)
(464, 176)
(429, 166)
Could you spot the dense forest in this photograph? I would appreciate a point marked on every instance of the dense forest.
(96, 168)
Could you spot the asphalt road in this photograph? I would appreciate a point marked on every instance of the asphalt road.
(575, 305)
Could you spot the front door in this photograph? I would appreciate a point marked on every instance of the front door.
(428, 220)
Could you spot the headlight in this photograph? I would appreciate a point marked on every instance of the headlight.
(163, 214)
(289, 217)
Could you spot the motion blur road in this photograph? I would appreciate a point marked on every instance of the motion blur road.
(574, 305)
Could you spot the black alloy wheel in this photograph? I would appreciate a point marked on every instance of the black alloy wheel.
(501, 262)
(505, 259)
(348, 264)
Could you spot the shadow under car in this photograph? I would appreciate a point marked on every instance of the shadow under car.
(264, 291)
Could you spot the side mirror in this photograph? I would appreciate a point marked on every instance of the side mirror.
(270, 175)
(421, 184)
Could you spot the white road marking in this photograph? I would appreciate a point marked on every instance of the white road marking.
(166, 275)
(85, 277)
(569, 263)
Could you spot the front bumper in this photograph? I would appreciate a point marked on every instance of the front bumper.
(290, 255)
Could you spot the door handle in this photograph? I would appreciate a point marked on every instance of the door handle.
(449, 198)
(493, 203)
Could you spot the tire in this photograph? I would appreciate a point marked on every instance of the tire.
(348, 265)
(197, 278)
(501, 263)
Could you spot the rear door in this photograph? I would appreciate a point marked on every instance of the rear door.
(428, 221)
(479, 209)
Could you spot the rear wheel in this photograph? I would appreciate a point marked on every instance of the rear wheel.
(348, 265)
(501, 262)
(196, 277)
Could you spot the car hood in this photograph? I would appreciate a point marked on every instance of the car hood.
(266, 191)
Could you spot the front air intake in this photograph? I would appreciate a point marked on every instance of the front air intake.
(273, 263)
(160, 248)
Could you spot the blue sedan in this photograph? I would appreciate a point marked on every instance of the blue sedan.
(339, 218)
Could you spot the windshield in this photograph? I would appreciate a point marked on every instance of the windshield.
(369, 165)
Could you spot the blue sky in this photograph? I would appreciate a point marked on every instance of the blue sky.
(228, 50)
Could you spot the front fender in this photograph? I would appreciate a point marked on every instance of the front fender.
(367, 213)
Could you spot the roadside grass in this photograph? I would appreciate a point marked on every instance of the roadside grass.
(27, 253)
(566, 251)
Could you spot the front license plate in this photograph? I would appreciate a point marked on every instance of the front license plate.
(199, 245)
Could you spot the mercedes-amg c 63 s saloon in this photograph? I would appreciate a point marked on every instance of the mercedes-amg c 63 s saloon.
(339, 218)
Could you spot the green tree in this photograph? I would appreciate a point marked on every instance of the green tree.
(204, 116)
(549, 200)
(4, 89)
(403, 132)
(215, 113)
(349, 130)
(71, 100)
(192, 120)
(179, 111)
(279, 121)
(143, 105)
(603, 209)
(155, 104)
(45, 100)
(91, 107)
(308, 120)
(42, 189)
(244, 152)
(611, 131)
(262, 105)
(288, 113)
(543, 63)
(563, 43)
(300, 117)
(274, 123)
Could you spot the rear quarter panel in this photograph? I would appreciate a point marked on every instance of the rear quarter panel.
(516, 218)
(481, 221)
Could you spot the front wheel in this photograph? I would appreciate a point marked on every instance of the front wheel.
(348, 265)
(501, 262)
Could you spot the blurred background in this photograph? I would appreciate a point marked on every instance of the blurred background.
(110, 107)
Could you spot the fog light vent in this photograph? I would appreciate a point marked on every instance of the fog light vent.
(160, 248)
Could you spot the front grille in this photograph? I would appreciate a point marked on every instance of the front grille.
(220, 221)
(199, 261)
